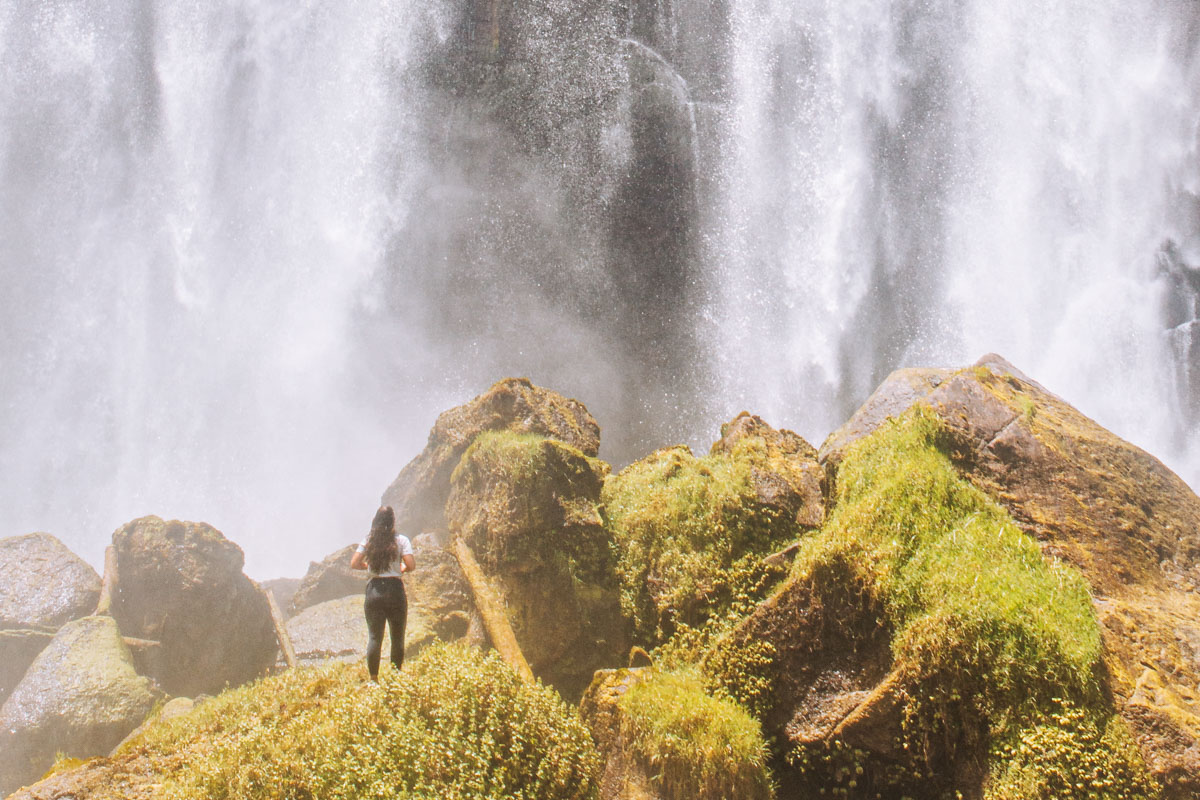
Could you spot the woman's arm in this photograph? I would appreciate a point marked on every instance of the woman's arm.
(408, 564)
(358, 561)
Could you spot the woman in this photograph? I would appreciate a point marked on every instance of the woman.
(385, 555)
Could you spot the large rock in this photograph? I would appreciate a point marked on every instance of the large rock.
(328, 579)
(419, 492)
(337, 630)
(625, 777)
(18, 649)
(181, 583)
(45, 584)
(81, 696)
(527, 507)
(783, 467)
(1111, 509)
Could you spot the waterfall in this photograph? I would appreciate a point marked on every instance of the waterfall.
(923, 182)
(250, 248)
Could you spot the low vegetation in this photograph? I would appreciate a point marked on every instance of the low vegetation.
(455, 724)
(690, 534)
(696, 745)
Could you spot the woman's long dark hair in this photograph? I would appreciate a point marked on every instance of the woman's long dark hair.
(381, 547)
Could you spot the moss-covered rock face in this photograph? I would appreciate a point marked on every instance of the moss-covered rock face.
(80, 696)
(455, 724)
(1127, 522)
(664, 736)
(418, 494)
(181, 583)
(45, 585)
(691, 532)
(987, 637)
(527, 507)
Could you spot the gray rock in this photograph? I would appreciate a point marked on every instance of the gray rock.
(45, 584)
(418, 495)
(181, 583)
(18, 649)
(80, 696)
(328, 579)
(337, 630)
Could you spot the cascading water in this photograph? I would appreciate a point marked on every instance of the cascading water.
(924, 182)
(248, 250)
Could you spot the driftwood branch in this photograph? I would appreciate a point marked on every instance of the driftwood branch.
(492, 610)
(281, 632)
(108, 588)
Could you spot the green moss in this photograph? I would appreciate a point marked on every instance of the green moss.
(696, 745)
(689, 531)
(1071, 752)
(454, 724)
(989, 635)
(535, 501)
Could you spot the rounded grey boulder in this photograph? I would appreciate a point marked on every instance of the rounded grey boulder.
(45, 584)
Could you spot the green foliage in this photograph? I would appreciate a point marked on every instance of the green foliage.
(518, 457)
(690, 532)
(456, 723)
(538, 497)
(696, 745)
(1072, 754)
(988, 633)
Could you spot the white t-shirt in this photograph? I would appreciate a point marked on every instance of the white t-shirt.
(393, 569)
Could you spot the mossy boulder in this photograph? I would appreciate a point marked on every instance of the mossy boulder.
(1130, 525)
(921, 635)
(80, 696)
(691, 532)
(181, 583)
(457, 723)
(328, 579)
(45, 584)
(526, 505)
(418, 494)
(664, 737)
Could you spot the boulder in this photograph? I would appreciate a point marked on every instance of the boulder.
(418, 494)
(526, 506)
(624, 776)
(181, 583)
(283, 590)
(18, 649)
(328, 579)
(81, 696)
(784, 469)
(1095, 501)
(692, 533)
(45, 584)
(336, 630)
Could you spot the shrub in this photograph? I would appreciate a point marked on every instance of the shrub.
(456, 723)
(690, 532)
(696, 745)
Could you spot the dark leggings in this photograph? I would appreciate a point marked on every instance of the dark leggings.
(385, 603)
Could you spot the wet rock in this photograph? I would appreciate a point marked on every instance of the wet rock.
(283, 590)
(181, 583)
(527, 507)
(337, 630)
(624, 777)
(328, 579)
(1109, 508)
(80, 696)
(891, 399)
(784, 468)
(18, 649)
(419, 492)
(45, 584)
